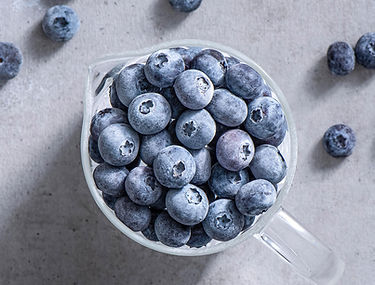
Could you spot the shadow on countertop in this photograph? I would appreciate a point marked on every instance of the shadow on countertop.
(164, 17)
(322, 160)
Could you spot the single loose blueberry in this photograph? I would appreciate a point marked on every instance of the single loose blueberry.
(340, 58)
(365, 50)
(187, 54)
(94, 151)
(104, 118)
(149, 113)
(231, 60)
(227, 109)
(268, 164)
(110, 179)
(225, 183)
(151, 145)
(223, 222)
(10, 61)
(163, 66)
(176, 106)
(188, 205)
(185, 6)
(339, 140)
(109, 200)
(244, 81)
(60, 23)
(249, 221)
(170, 232)
(132, 82)
(198, 237)
(194, 89)
(118, 144)
(134, 216)
(149, 232)
(234, 150)
(174, 167)
(202, 158)
(195, 129)
(142, 187)
(255, 197)
(212, 63)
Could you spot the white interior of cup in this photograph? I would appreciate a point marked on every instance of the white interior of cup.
(94, 103)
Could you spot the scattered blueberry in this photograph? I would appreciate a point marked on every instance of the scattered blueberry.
(249, 221)
(110, 179)
(198, 237)
(202, 158)
(187, 54)
(151, 145)
(10, 61)
(340, 58)
(134, 216)
(94, 151)
(109, 200)
(176, 106)
(231, 60)
(339, 140)
(149, 232)
(104, 118)
(185, 6)
(365, 50)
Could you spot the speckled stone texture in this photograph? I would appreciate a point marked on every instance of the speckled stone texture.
(52, 232)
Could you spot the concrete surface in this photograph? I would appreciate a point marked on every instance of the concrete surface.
(51, 230)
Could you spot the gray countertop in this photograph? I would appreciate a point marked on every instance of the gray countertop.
(52, 232)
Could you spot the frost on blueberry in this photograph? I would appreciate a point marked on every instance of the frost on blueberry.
(178, 169)
(126, 148)
(161, 60)
(146, 107)
(189, 128)
(202, 85)
(257, 115)
(193, 196)
(223, 221)
(245, 151)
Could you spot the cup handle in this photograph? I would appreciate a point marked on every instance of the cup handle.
(303, 251)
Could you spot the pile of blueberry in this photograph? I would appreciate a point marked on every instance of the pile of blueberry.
(188, 153)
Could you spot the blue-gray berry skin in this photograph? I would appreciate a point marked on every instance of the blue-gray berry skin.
(118, 144)
(160, 203)
(265, 118)
(225, 183)
(223, 222)
(212, 63)
(185, 6)
(132, 82)
(163, 66)
(220, 129)
(174, 167)
(340, 58)
(94, 151)
(193, 89)
(187, 54)
(255, 197)
(263, 90)
(10, 61)
(170, 232)
(339, 140)
(110, 74)
(104, 118)
(149, 113)
(195, 129)
(274, 140)
(110, 179)
(149, 232)
(365, 50)
(60, 23)
(268, 163)
(109, 200)
(114, 100)
(198, 238)
(249, 221)
(227, 109)
(234, 150)
(202, 158)
(231, 60)
(142, 186)
(188, 205)
(151, 145)
(176, 106)
(134, 216)
(244, 81)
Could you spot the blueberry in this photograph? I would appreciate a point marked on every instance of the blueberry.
(187, 54)
(268, 164)
(255, 197)
(104, 118)
(109, 200)
(274, 140)
(149, 232)
(170, 232)
(188, 205)
(132, 82)
(231, 60)
(185, 6)
(249, 221)
(94, 151)
(244, 81)
(212, 63)
(195, 129)
(176, 106)
(163, 66)
(225, 183)
(160, 203)
(151, 145)
(202, 158)
(149, 113)
(60, 23)
(365, 50)
(118, 144)
(223, 222)
(194, 89)
(174, 167)
(114, 100)
(134, 216)
(198, 237)
(227, 109)
(110, 74)
(265, 118)
(10, 61)
(110, 179)
(263, 90)
(339, 140)
(340, 58)
(234, 150)
(142, 187)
